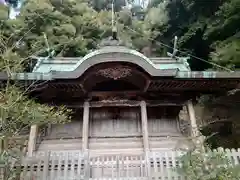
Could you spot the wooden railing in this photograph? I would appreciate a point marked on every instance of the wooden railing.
(76, 166)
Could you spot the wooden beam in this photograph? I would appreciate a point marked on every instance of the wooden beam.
(32, 140)
(85, 126)
(122, 103)
(144, 125)
(147, 86)
(113, 93)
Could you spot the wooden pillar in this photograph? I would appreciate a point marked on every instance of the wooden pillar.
(198, 138)
(144, 125)
(3, 144)
(32, 140)
(193, 121)
(85, 126)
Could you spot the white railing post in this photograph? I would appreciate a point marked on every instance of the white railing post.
(148, 164)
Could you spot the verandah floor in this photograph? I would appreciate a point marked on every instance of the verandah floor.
(114, 145)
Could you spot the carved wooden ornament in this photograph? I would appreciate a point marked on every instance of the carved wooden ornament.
(115, 72)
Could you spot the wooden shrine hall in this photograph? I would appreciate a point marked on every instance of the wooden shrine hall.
(124, 102)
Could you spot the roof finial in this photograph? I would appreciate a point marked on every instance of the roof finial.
(114, 28)
(175, 50)
(175, 46)
(49, 51)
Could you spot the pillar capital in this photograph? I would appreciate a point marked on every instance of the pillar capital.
(86, 104)
(143, 103)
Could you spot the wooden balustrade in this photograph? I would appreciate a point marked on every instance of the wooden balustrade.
(74, 165)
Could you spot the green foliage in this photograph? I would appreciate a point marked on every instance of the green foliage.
(100, 5)
(3, 12)
(17, 111)
(157, 16)
(19, 39)
(69, 27)
(74, 27)
(209, 165)
(211, 25)
(125, 17)
(227, 53)
(154, 3)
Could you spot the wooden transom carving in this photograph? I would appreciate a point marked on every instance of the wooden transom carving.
(115, 73)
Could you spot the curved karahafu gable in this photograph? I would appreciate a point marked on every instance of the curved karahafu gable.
(72, 68)
(112, 54)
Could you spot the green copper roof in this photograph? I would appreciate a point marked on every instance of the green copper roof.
(73, 68)
(60, 64)
(57, 64)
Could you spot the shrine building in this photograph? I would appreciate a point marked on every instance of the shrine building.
(123, 101)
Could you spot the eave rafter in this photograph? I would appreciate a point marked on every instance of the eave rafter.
(194, 84)
(121, 103)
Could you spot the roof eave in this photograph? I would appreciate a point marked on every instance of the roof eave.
(163, 73)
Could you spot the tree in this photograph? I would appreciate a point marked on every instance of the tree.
(72, 27)
(100, 5)
(208, 165)
(225, 35)
(18, 111)
(209, 25)
(75, 27)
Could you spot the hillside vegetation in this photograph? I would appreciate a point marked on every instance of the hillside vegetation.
(206, 29)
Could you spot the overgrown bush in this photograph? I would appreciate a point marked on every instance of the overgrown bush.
(208, 165)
